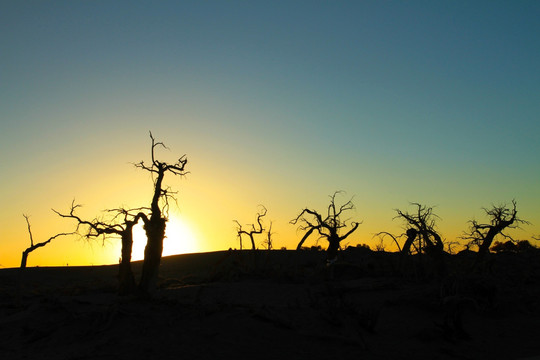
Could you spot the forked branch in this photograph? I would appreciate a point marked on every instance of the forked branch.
(33, 246)
(255, 228)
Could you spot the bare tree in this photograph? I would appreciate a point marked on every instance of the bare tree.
(501, 217)
(154, 225)
(269, 242)
(423, 237)
(255, 228)
(421, 227)
(328, 227)
(121, 224)
(33, 246)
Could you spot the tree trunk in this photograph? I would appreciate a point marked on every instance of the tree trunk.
(411, 235)
(486, 244)
(24, 258)
(155, 232)
(125, 274)
(439, 245)
(333, 247)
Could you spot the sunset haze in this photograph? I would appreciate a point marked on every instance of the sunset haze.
(274, 103)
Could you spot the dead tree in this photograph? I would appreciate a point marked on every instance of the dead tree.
(502, 217)
(255, 229)
(34, 246)
(422, 236)
(269, 242)
(113, 227)
(421, 227)
(328, 227)
(154, 224)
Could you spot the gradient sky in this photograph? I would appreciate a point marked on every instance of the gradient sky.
(274, 102)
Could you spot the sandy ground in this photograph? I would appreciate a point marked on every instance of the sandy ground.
(268, 306)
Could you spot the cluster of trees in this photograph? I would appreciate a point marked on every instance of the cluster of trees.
(331, 225)
(421, 235)
(120, 223)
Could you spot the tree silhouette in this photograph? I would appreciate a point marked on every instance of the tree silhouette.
(33, 246)
(121, 224)
(421, 227)
(154, 224)
(422, 236)
(500, 218)
(254, 229)
(269, 242)
(328, 227)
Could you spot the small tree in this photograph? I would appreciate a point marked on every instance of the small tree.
(269, 242)
(154, 225)
(501, 217)
(121, 224)
(33, 246)
(328, 227)
(255, 229)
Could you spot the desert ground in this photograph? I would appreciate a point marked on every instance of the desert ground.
(278, 305)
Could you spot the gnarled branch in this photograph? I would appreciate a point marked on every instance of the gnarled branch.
(254, 229)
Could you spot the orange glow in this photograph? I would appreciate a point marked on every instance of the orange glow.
(179, 239)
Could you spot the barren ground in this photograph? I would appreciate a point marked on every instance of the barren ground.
(282, 304)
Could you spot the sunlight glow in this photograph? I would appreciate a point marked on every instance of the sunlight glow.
(179, 239)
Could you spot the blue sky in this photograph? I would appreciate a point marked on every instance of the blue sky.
(279, 102)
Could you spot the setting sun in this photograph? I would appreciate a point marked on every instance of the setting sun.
(179, 239)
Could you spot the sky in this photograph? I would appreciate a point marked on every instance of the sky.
(274, 103)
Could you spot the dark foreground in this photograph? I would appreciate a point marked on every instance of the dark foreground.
(278, 305)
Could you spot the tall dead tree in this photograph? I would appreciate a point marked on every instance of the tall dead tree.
(154, 225)
(255, 228)
(121, 224)
(501, 217)
(33, 246)
(421, 227)
(328, 226)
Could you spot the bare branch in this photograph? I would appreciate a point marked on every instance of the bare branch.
(354, 227)
(34, 246)
(103, 228)
(306, 235)
(383, 233)
(154, 145)
(26, 217)
(141, 165)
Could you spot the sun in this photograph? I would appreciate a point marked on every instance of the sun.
(179, 239)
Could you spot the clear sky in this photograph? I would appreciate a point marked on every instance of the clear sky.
(274, 102)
